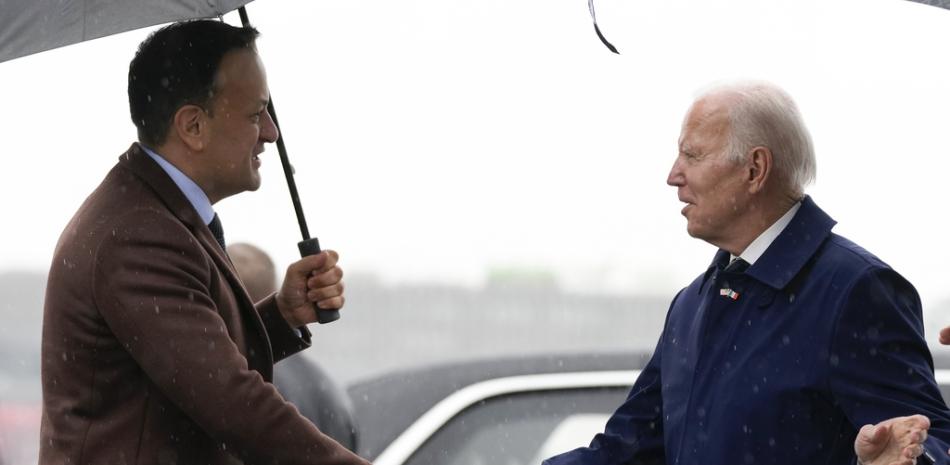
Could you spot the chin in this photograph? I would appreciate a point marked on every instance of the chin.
(693, 231)
(254, 183)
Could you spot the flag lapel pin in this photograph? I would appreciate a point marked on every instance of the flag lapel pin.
(729, 293)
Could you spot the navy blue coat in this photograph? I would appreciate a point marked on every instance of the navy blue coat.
(781, 364)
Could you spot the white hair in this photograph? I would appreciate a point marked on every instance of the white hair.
(762, 114)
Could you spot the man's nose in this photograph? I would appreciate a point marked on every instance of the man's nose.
(676, 178)
(269, 131)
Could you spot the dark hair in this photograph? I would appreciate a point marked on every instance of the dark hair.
(175, 66)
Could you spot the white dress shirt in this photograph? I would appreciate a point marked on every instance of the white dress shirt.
(761, 243)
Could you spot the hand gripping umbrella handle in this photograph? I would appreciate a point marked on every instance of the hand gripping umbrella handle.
(312, 247)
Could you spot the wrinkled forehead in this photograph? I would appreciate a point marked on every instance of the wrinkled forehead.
(707, 119)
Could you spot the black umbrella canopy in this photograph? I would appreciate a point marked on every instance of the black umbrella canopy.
(32, 26)
(590, 4)
(937, 3)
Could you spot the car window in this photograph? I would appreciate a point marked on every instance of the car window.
(571, 432)
(517, 429)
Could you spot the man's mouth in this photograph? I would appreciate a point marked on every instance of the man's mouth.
(685, 207)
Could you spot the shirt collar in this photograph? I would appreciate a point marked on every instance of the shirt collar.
(761, 243)
(788, 254)
(197, 197)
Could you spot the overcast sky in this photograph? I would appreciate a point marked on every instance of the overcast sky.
(439, 139)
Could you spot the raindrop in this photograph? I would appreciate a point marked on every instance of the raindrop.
(791, 298)
(786, 340)
(833, 360)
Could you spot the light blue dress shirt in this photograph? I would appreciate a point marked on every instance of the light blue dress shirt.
(199, 200)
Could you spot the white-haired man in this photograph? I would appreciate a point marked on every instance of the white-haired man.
(793, 337)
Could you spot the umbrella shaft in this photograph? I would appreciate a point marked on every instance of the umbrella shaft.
(289, 174)
(284, 160)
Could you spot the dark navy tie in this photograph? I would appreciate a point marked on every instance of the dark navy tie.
(738, 265)
(217, 231)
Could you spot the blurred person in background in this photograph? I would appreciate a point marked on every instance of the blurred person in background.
(795, 346)
(256, 269)
(302, 381)
(153, 351)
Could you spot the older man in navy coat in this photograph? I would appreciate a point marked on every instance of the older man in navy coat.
(793, 337)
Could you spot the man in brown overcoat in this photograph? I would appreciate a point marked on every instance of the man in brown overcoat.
(153, 352)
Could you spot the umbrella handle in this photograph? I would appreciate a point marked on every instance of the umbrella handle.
(312, 247)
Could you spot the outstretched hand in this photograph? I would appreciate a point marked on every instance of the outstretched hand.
(311, 284)
(945, 336)
(897, 441)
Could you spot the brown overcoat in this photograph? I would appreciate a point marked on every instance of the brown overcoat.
(153, 353)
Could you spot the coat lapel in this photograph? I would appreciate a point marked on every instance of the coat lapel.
(137, 161)
(794, 247)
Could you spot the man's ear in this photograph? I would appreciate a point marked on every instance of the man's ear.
(190, 123)
(759, 168)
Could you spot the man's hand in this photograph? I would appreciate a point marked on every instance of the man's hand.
(898, 441)
(315, 279)
(945, 336)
